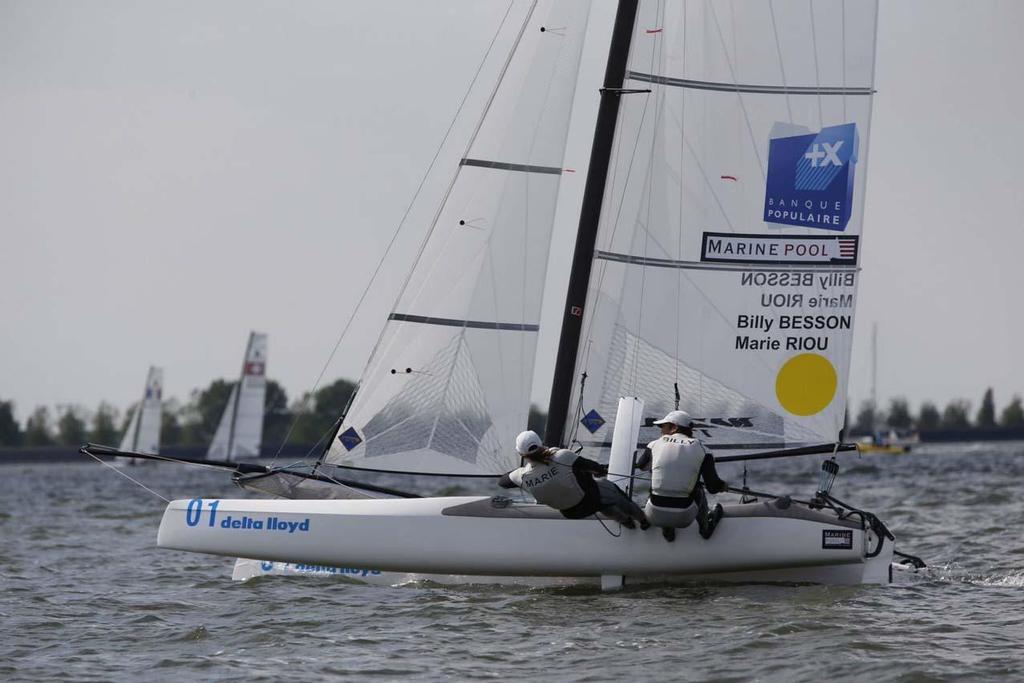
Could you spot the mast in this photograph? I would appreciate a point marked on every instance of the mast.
(590, 215)
(136, 424)
(238, 398)
(875, 370)
(874, 376)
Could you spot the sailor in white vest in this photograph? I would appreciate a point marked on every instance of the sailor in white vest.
(565, 481)
(678, 462)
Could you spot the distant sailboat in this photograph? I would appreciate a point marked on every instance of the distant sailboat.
(882, 442)
(143, 432)
(240, 431)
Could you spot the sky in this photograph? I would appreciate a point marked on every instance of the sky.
(176, 174)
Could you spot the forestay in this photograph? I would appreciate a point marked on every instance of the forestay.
(726, 258)
(143, 433)
(448, 384)
(240, 431)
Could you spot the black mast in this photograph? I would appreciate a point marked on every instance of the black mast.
(590, 214)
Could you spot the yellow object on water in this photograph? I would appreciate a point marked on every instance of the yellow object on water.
(869, 448)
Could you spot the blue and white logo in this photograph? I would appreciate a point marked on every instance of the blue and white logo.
(592, 421)
(350, 438)
(810, 178)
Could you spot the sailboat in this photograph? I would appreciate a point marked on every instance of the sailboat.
(143, 432)
(879, 442)
(240, 430)
(715, 270)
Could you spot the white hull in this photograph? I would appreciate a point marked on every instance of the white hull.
(469, 536)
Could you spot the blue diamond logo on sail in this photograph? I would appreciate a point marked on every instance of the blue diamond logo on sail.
(350, 438)
(592, 421)
(810, 178)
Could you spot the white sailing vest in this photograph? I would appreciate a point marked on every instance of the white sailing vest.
(675, 465)
(552, 483)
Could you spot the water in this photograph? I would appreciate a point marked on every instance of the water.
(87, 596)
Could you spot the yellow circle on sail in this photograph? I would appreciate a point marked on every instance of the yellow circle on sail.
(806, 384)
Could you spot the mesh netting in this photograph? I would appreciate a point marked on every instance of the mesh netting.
(442, 409)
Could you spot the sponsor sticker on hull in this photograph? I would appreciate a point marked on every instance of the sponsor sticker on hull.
(837, 539)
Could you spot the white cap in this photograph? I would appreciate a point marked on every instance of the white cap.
(528, 442)
(677, 417)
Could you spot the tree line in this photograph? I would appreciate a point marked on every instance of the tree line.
(312, 416)
(957, 414)
(191, 423)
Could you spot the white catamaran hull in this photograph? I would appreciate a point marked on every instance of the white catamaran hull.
(473, 536)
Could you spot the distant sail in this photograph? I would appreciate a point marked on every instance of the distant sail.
(240, 431)
(741, 293)
(448, 385)
(143, 433)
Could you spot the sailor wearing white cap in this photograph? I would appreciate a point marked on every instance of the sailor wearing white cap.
(565, 481)
(678, 462)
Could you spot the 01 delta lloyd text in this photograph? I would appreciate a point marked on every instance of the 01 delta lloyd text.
(269, 524)
(194, 513)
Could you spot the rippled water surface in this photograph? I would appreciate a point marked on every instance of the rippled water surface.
(87, 596)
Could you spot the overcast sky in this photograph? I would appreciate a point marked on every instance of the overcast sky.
(175, 174)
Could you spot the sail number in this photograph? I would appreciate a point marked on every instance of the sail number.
(194, 512)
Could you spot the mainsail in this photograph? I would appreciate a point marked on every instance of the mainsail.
(448, 385)
(725, 266)
(143, 432)
(240, 430)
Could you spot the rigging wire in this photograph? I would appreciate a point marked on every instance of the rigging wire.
(458, 170)
(817, 74)
(657, 59)
(739, 95)
(782, 68)
(679, 227)
(610, 532)
(128, 477)
(620, 140)
(394, 237)
(381, 352)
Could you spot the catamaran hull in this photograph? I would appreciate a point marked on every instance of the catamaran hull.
(473, 536)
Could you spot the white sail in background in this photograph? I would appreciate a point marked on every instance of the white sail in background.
(143, 432)
(448, 385)
(726, 260)
(240, 431)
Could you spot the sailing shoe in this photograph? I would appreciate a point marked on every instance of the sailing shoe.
(669, 533)
(713, 519)
(644, 525)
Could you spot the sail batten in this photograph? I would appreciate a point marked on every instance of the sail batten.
(632, 259)
(451, 322)
(750, 88)
(508, 166)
